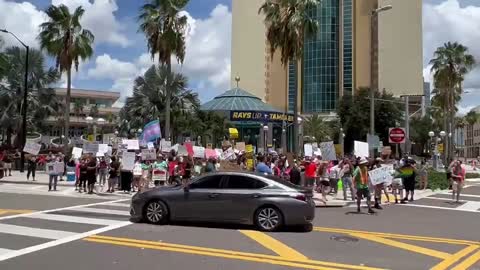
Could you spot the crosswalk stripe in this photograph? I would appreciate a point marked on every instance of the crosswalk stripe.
(439, 207)
(119, 204)
(34, 232)
(5, 251)
(101, 211)
(470, 206)
(74, 219)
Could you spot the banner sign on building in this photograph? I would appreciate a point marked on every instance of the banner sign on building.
(260, 116)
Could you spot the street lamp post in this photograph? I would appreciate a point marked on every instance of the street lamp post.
(374, 40)
(342, 142)
(100, 122)
(25, 95)
(265, 130)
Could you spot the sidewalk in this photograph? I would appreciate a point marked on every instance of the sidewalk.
(41, 178)
(337, 201)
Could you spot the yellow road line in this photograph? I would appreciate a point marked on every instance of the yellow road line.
(468, 262)
(399, 236)
(273, 244)
(445, 264)
(218, 252)
(397, 244)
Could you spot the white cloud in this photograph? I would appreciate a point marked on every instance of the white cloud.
(448, 21)
(207, 59)
(100, 18)
(464, 110)
(22, 19)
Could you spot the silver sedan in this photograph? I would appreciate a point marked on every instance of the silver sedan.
(228, 197)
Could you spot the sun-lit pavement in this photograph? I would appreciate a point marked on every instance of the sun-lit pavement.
(88, 233)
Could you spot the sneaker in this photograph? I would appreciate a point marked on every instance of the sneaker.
(411, 200)
(370, 211)
(377, 206)
(396, 201)
(403, 202)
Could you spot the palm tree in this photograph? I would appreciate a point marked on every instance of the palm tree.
(149, 98)
(471, 118)
(42, 100)
(316, 126)
(165, 30)
(77, 107)
(289, 24)
(63, 37)
(450, 64)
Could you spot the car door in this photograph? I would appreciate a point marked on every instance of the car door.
(242, 195)
(200, 200)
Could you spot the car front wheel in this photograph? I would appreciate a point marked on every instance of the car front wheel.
(156, 212)
(268, 218)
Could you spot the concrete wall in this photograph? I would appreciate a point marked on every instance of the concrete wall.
(248, 46)
(362, 42)
(400, 53)
(276, 88)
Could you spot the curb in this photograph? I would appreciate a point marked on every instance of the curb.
(59, 184)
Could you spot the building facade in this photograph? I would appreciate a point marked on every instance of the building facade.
(353, 48)
(83, 103)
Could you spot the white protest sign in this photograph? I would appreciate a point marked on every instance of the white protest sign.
(229, 154)
(381, 175)
(361, 149)
(198, 152)
(59, 167)
(32, 148)
(328, 151)
(182, 150)
(132, 144)
(102, 148)
(149, 154)
(166, 146)
(90, 148)
(100, 154)
(150, 145)
(308, 149)
(77, 152)
(128, 161)
(219, 153)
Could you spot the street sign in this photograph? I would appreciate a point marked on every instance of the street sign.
(396, 135)
(440, 147)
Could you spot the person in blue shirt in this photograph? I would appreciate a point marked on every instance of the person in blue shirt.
(262, 168)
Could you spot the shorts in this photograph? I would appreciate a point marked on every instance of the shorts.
(309, 181)
(397, 183)
(8, 166)
(323, 182)
(91, 181)
(363, 193)
(112, 181)
(457, 186)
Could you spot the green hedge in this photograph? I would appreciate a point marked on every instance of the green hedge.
(437, 180)
(472, 175)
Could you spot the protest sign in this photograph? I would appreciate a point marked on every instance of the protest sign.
(249, 148)
(189, 147)
(240, 146)
(149, 154)
(132, 144)
(229, 153)
(32, 148)
(381, 175)
(166, 146)
(100, 154)
(103, 148)
(361, 149)
(308, 149)
(182, 150)
(198, 152)
(128, 161)
(150, 145)
(219, 153)
(210, 153)
(90, 148)
(77, 152)
(328, 151)
(55, 168)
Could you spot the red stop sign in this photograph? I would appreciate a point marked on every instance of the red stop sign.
(396, 135)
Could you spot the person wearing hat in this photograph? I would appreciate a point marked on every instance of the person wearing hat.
(360, 180)
(408, 174)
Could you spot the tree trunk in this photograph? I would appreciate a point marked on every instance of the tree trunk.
(168, 101)
(67, 111)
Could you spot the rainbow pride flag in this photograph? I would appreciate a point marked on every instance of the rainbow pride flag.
(405, 172)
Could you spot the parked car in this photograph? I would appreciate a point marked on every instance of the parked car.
(228, 197)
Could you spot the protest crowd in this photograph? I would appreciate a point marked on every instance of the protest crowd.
(132, 166)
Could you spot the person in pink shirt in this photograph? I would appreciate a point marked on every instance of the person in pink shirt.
(458, 176)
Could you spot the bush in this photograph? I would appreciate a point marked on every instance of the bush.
(472, 175)
(437, 180)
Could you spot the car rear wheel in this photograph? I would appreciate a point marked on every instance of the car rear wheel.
(268, 218)
(156, 212)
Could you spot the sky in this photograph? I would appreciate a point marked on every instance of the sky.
(121, 53)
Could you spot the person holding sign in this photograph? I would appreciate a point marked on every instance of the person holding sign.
(360, 180)
(32, 167)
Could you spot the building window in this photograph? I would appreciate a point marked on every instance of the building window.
(348, 46)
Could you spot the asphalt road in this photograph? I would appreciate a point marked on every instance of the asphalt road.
(85, 233)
